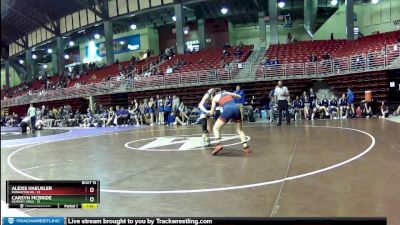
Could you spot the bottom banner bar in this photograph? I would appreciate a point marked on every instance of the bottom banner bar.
(224, 221)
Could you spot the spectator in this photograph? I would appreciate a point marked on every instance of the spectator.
(326, 56)
(298, 108)
(350, 100)
(313, 58)
(240, 101)
(289, 38)
(276, 61)
(384, 110)
(307, 106)
(325, 105)
(273, 110)
(294, 39)
(343, 107)
(397, 111)
(333, 107)
(241, 45)
(32, 115)
(169, 70)
(367, 111)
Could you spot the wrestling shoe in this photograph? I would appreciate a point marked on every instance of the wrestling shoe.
(246, 149)
(217, 149)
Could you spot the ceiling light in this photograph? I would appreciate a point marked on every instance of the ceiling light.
(185, 31)
(71, 43)
(34, 56)
(66, 56)
(45, 66)
(49, 50)
(281, 4)
(133, 26)
(121, 42)
(21, 61)
(374, 2)
(174, 18)
(334, 2)
(96, 36)
(224, 10)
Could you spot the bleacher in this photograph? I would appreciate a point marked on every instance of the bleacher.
(300, 52)
(76, 103)
(376, 81)
(109, 71)
(371, 43)
(211, 58)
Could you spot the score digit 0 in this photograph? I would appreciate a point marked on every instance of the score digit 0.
(91, 199)
(91, 189)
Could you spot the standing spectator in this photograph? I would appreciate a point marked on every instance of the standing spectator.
(289, 38)
(240, 101)
(350, 100)
(175, 103)
(281, 94)
(32, 115)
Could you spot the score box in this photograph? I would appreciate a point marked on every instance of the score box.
(52, 193)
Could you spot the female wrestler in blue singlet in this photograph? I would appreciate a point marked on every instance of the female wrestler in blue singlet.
(230, 111)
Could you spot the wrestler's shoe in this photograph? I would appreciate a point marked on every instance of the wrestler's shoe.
(246, 149)
(217, 149)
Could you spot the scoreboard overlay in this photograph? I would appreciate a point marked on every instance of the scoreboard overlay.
(53, 194)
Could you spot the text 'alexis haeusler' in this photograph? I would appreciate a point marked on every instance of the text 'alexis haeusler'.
(32, 188)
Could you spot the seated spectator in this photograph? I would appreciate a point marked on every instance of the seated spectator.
(117, 61)
(397, 111)
(325, 105)
(200, 61)
(307, 107)
(294, 39)
(316, 108)
(333, 107)
(384, 110)
(276, 61)
(298, 108)
(226, 53)
(343, 107)
(273, 110)
(313, 58)
(367, 111)
(241, 45)
(169, 70)
(227, 45)
(326, 56)
(238, 52)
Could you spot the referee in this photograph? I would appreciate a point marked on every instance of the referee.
(281, 94)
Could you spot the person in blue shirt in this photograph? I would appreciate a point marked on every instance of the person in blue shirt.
(240, 101)
(167, 108)
(298, 108)
(350, 100)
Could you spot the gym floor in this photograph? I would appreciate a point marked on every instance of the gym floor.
(311, 168)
